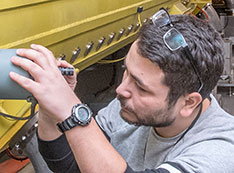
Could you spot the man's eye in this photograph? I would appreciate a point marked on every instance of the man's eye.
(140, 88)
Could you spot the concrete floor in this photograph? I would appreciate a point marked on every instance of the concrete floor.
(27, 169)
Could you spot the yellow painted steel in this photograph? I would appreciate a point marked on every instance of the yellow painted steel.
(9, 127)
(65, 26)
(188, 6)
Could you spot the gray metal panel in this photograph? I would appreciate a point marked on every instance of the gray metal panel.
(228, 25)
(8, 88)
(230, 4)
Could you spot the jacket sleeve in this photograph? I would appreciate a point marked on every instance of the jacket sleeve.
(58, 155)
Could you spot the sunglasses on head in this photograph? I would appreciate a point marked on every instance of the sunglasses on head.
(173, 39)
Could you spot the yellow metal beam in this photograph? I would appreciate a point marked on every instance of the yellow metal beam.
(9, 127)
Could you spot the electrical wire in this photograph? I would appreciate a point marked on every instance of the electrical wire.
(33, 106)
(15, 157)
(203, 11)
(139, 19)
(110, 61)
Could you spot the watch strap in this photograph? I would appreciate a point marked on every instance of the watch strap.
(66, 125)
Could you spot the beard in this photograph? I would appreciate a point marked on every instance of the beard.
(150, 117)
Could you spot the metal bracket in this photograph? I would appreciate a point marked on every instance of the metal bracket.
(121, 32)
(111, 38)
(100, 43)
(89, 47)
(129, 30)
(75, 54)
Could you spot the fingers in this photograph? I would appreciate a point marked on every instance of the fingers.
(40, 55)
(46, 52)
(34, 56)
(63, 63)
(25, 82)
(29, 66)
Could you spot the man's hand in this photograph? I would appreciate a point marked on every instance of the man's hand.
(56, 100)
(49, 87)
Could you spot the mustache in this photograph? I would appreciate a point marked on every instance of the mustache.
(123, 102)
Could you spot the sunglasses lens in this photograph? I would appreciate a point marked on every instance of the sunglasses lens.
(160, 18)
(173, 39)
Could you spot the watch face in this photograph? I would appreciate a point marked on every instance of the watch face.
(82, 113)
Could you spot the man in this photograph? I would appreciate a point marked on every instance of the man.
(164, 119)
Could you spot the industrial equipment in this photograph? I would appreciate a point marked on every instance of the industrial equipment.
(224, 23)
(82, 33)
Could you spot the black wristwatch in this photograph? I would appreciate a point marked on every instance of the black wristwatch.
(81, 115)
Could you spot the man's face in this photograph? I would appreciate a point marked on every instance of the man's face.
(142, 94)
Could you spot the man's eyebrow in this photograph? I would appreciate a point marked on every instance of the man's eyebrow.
(138, 80)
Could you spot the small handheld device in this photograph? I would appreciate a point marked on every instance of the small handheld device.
(9, 89)
(68, 71)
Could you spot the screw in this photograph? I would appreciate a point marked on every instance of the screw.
(23, 138)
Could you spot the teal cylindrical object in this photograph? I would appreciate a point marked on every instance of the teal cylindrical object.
(9, 89)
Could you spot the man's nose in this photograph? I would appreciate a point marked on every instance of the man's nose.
(124, 89)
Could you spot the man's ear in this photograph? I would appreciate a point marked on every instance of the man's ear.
(191, 101)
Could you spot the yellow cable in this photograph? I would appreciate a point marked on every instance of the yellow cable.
(110, 61)
(139, 18)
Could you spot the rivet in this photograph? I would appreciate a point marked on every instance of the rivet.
(36, 125)
(23, 138)
(17, 147)
(145, 20)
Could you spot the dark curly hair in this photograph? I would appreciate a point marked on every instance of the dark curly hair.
(205, 44)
